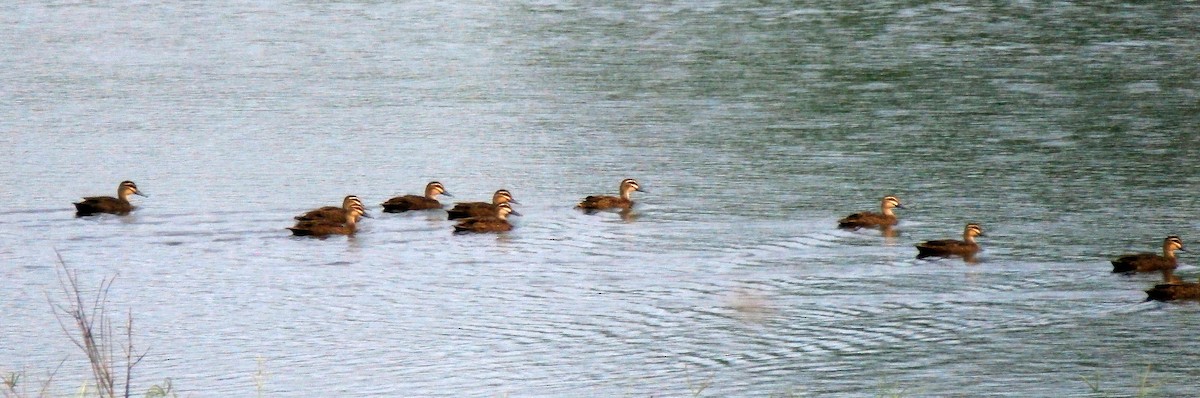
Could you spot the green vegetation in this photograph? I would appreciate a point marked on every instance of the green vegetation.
(1145, 388)
(166, 390)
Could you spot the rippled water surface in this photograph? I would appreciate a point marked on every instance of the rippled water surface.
(1068, 131)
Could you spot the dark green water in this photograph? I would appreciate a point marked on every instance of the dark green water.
(1068, 131)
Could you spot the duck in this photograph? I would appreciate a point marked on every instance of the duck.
(966, 248)
(885, 218)
(405, 203)
(497, 222)
(331, 213)
(480, 209)
(322, 228)
(1149, 262)
(1173, 288)
(604, 202)
(107, 204)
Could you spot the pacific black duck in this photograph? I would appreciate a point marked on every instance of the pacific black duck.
(107, 204)
(604, 202)
(1173, 288)
(405, 203)
(966, 248)
(885, 218)
(1149, 262)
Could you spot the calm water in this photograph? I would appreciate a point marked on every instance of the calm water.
(1069, 132)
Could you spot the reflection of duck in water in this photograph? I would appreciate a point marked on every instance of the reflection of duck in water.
(497, 222)
(323, 228)
(884, 219)
(330, 213)
(1173, 288)
(1148, 262)
(107, 204)
(966, 248)
(603, 202)
(405, 203)
(480, 209)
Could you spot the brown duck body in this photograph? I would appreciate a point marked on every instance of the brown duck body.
(483, 224)
(470, 209)
(867, 219)
(1149, 262)
(605, 202)
(327, 213)
(946, 247)
(102, 204)
(405, 203)
(966, 248)
(107, 204)
(1174, 291)
(1143, 262)
(322, 228)
(602, 202)
(410, 202)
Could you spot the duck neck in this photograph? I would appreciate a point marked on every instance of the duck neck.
(626, 191)
(1169, 253)
(123, 195)
(887, 210)
(969, 237)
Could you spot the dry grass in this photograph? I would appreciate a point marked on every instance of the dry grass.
(87, 324)
(95, 333)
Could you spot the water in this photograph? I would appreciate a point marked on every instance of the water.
(1067, 131)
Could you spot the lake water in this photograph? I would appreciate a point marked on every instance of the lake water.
(1069, 132)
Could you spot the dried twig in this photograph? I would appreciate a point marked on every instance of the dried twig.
(95, 331)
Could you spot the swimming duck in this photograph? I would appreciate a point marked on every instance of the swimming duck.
(1173, 288)
(107, 204)
(331, 213)
(603, 202)
(346, 226)
(480, 209)
(1147, 262)
(405, 203)
(966, 248)
(885, 218)
(497, 222)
